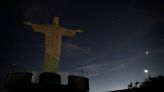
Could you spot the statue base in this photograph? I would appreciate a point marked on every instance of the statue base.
(49, 79)
(48, 82)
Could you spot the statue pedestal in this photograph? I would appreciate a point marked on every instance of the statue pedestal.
(81, 84)
(48, 82)
(49, 79)
(17, 79)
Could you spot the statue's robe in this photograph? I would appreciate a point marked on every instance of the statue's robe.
(53, 38)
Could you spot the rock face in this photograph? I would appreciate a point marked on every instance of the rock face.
(48, 82)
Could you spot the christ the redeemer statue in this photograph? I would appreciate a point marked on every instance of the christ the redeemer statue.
(53, 38)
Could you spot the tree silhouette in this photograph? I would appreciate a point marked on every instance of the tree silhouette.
(153, 83)
(130, 85)
(136, 84)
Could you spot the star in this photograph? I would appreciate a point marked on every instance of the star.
(146, 52)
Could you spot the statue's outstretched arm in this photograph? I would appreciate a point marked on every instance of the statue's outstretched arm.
(27, 23)
(78, 30)
(37, 27)
(70, 32)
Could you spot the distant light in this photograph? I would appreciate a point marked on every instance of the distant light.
(146, 70)
(147, 52)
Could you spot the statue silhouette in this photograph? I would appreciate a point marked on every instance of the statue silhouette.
(53, 38)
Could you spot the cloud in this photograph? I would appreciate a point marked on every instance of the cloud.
(65, 74)
(70, 49)
(93, 69)
(117, 67)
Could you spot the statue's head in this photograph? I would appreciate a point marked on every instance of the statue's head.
(55, 21)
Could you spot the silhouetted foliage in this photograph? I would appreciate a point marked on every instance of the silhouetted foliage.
(155, 84)
(130, 85)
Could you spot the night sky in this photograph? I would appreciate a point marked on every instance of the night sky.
(121, 38)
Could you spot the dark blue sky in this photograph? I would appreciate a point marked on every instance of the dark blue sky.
(111, 51)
